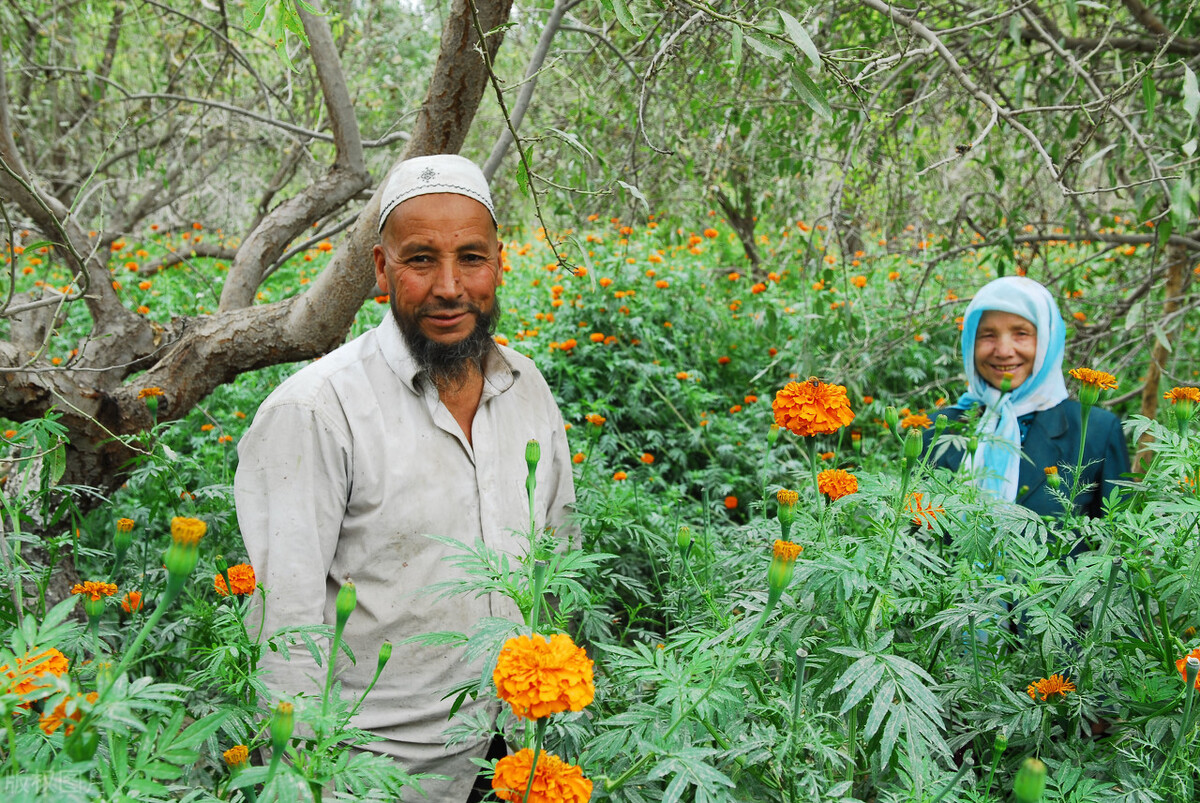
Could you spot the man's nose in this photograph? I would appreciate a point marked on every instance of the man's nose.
(447, 282)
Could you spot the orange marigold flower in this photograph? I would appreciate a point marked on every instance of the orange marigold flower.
(131, 602)
(10, 433)
(605, 281)
(1050, 471)
(578, 458)
(731, 502)
(236, 756)
(1079, 316)
(125, 525)
(206, 427)
(787, 498)
(710, 233)
(921, 421)
(554, 780)
(647, 458)
(662, 284)
(539, 677)
(1097, 379)
(786, 551)
(1176, 395)
(723, 361)
(596, 419)
(1181, 665)
(812, 408)
(596, 337)
(1055, 684)
(324, 245)
(94, 590)
(620, 476)
(51, 722)
(146, 393)
(682, 375)
(241, 577)
(826, 455)
(187, 531)
(858, 281)
(758, 287)
(836, 483)
(922, 514)
(33, 665)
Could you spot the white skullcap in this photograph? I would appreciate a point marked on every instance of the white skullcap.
(425, 175)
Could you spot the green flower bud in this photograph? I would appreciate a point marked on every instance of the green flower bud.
(1052, 478)
(283, 721)
(1089, 395)
(1006, 382)
(1001, 743)
(683, 539)
(347, 598)
(221, 564)
(93, 606)
(772, 434)
(533, 453)
(972, 444)
(1030, 782)
(912, 445)
(891, 417)
(385, 655)
(939, 425)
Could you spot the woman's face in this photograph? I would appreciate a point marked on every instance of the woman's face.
(1004, 343)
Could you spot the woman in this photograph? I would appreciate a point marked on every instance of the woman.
(1012, 330)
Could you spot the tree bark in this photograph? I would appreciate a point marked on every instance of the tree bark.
(1177, 262)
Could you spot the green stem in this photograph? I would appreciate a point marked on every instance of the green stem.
(887, 561)
(812, 465)
(539, 578)
(1184, 728)
(958, 776)
(974, 648)
(539, 733)
(852, 753)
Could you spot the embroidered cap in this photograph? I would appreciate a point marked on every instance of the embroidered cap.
(425, 175)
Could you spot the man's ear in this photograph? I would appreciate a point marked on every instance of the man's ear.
(381, 277)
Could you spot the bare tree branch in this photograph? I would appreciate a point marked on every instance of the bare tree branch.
(561, 7)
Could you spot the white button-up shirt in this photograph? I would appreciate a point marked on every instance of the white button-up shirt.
(348, 465)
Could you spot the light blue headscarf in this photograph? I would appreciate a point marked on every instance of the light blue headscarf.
(997, 461)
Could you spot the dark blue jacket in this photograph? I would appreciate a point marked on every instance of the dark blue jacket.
(1053, 440)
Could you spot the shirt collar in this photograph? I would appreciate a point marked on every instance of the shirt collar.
(498, 373)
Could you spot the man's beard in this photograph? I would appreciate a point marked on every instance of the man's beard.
(448, 365)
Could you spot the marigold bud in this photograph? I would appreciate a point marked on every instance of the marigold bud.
(912, 445)
(1089, 395)
(1030, 782)
(939, 425)
(683, 538)
(891, 417)
(1052, 478)
(347, 598)
(1006, 382)
(773, 434)
(533, 453)
(1001, 743)
(93, 606)
(385, 655)
(236, 757)
(972, 444)
(283, 721)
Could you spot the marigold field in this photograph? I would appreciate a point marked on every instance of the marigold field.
(798, 614)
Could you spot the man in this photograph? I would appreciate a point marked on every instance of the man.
(416, 428)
